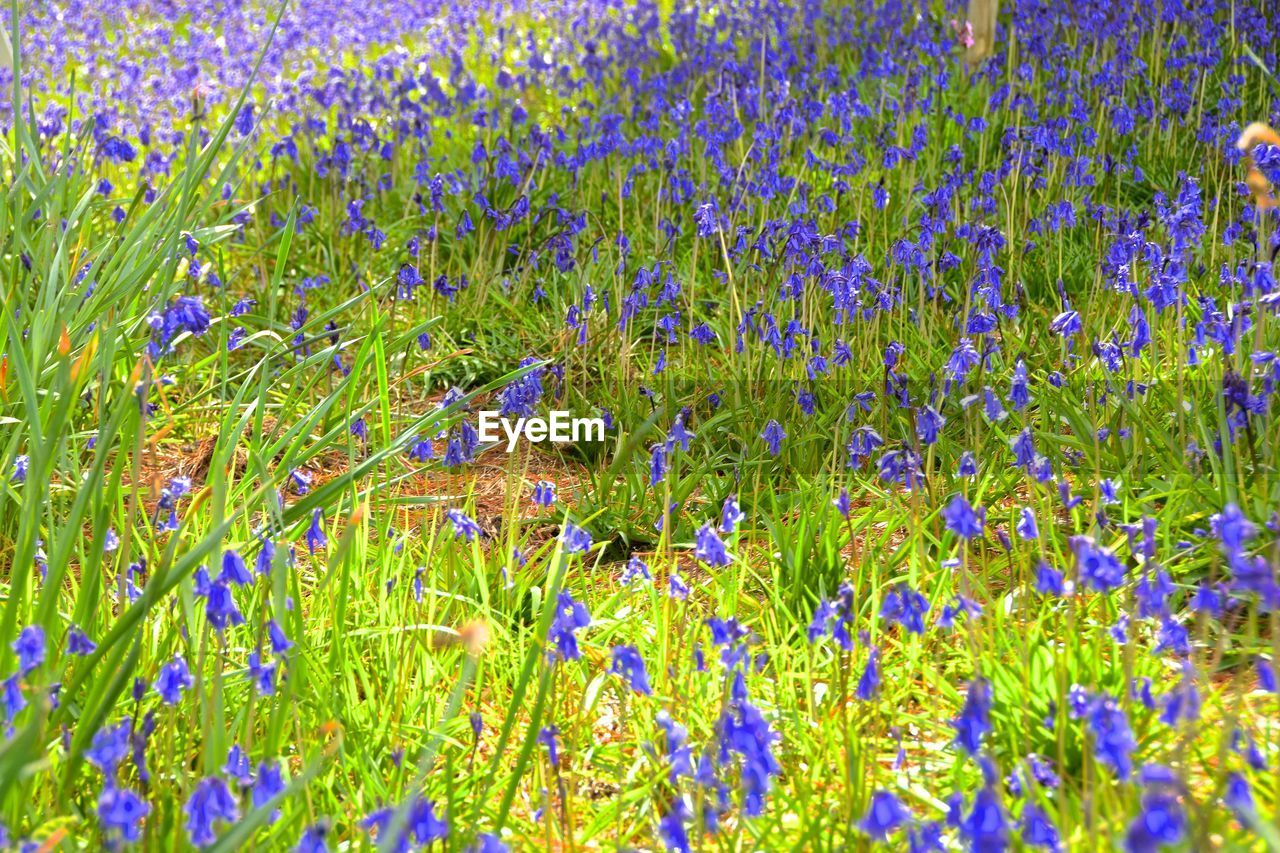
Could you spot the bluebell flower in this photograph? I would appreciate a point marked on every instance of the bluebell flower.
(268, 784)
(1049, 581)
(678, 435)
(841, 503)
(710, 548)
(544, 493)
(29, 647)
(636, 570)
(1113, 739)
(671, 826)
(986, 827)
(280, 643)
(570, 616)
(1038, 830)
(547, 737)
(1239, 799)
(313, 839)
(110, 746)
(1160, 823)
(575, 539)
(11, 696)
(773, 435)
(961, 518)
(78, 642)
(869, 682)
(424, 825)
(219, 605)
(237, 766)
(1097, 567)
(1266, 675)
(174, 678)
(628, 663)
(121, 810)
(211, 802)
(233, 568)
(657, 464)
(20, 466)
(1232, 528)
(929, 425)
(885, 815)
(745, 732)
(1067, 324)
(1026, 526)
(463, 525)
(730, 515)
(487, 842)
(905, 606)
(974, 720)
(316, 540)
(262, 673)
(266, 555)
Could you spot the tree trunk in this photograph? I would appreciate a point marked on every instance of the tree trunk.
(982, 15)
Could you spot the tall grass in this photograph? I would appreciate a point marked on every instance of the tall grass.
(426, 662)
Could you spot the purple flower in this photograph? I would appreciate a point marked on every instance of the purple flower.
(233, 568)
(313, 839)
(78, 642)
(1266, 675)
(974, 721)
(266, 555)
(174, 678)
(268, 784)
(463, 525)
(547, 737)
(1113, 740)
(730, 515)
(544, 493)
(425, 825)
(110, 746)
(1049, 581)
(570, 617)
(575, 539)
(316, 540)
(219, 605)
(1038, 830)
(961, 519)
(29, 647)
(628, 663)
(773, 435)
(122, 810)
(210, 803)
(1160, 823)
(710, 548)
(885, 815)
(906, 607)
(1097, 567)
(869, 682)
(636, 570)
(1232, 528)
(985, 827)
(280, 643)
(262, 673)
(1026, 526)
(237, 766)
(841, 503)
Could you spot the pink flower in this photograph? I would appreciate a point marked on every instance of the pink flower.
(965, 33)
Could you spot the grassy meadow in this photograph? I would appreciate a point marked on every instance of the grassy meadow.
(938, 503)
